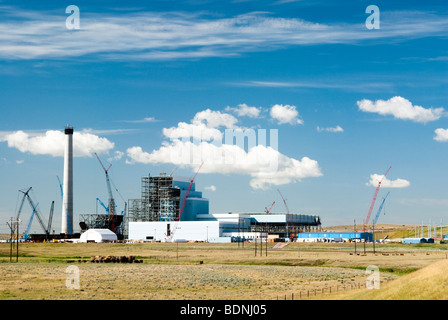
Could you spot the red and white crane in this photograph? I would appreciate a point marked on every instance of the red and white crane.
(374, 199)
(269, 210)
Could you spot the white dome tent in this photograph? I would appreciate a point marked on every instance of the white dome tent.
(98, 235)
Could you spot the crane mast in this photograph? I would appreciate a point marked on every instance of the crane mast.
(109, 189)
(379, 210)
(374, 199)
(187, 193)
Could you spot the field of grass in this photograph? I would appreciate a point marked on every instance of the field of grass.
(196, 271)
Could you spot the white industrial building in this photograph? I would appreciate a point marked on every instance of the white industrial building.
(98, 235)
(177, 231)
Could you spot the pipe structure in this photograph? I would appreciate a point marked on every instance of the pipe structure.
(67, 201)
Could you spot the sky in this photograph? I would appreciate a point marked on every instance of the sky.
(329, 94)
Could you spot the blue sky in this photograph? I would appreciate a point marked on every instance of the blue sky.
(353, 101)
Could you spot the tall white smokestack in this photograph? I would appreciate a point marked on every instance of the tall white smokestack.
(67, 201)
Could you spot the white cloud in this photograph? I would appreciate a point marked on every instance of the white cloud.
(401, 108)
(52, 142)
(173, 35)
(386, 183)
(117, 156)
(243, 110)
(198, 131)
(330, 129)
(215, 119)
(264, 165)
(441, 135)
(211, 188)
(144, 120)
(285, 114)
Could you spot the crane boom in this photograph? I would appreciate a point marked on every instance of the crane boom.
(50, 217)
(374, 199)
(269, 210)
(284, 201)
(109, 189)
(187, 193)
(379, 210)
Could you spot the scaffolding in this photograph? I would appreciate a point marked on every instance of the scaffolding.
(159, 200)
(103, 221)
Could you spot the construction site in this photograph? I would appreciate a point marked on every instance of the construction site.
(169, 229)
(171, 209)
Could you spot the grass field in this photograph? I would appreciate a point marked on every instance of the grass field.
(195, 271)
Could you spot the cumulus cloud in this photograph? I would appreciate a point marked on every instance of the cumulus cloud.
(285, 114)
(215, 119)
(197, 131)
(386, 183)
(243, 110)
(264, 164)
(52, 142)
(401, 108)
(441, 135)
(330, 129)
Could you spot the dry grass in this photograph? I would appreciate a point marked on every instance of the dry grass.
(172, 271)
(429, 283)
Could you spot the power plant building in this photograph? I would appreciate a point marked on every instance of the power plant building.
(171, 209)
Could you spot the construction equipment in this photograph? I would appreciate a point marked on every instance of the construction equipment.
(109, 189)
(103, 205)
(26, 195)
(379, 210)
(50, 217)
(269, 210)
(284, 201)
(26, 235)
(187, 193)
(171, 174)
(374, 199)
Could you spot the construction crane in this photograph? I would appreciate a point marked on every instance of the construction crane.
(374, 199)
(109, 189)
(379, 210)
(103, 205)
(26, 195)
(288, 217)
(187, 193)
(269, 210)
(284, 201)
(50, 217)
(26, 235)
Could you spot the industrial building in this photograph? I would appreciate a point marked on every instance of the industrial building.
(334, 236)
(171, 209)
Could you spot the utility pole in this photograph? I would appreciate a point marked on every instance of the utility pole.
(354, 230)
(14, 226)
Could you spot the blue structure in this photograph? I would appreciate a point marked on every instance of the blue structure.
(195, 203)
(334, 236)
(418, 240)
